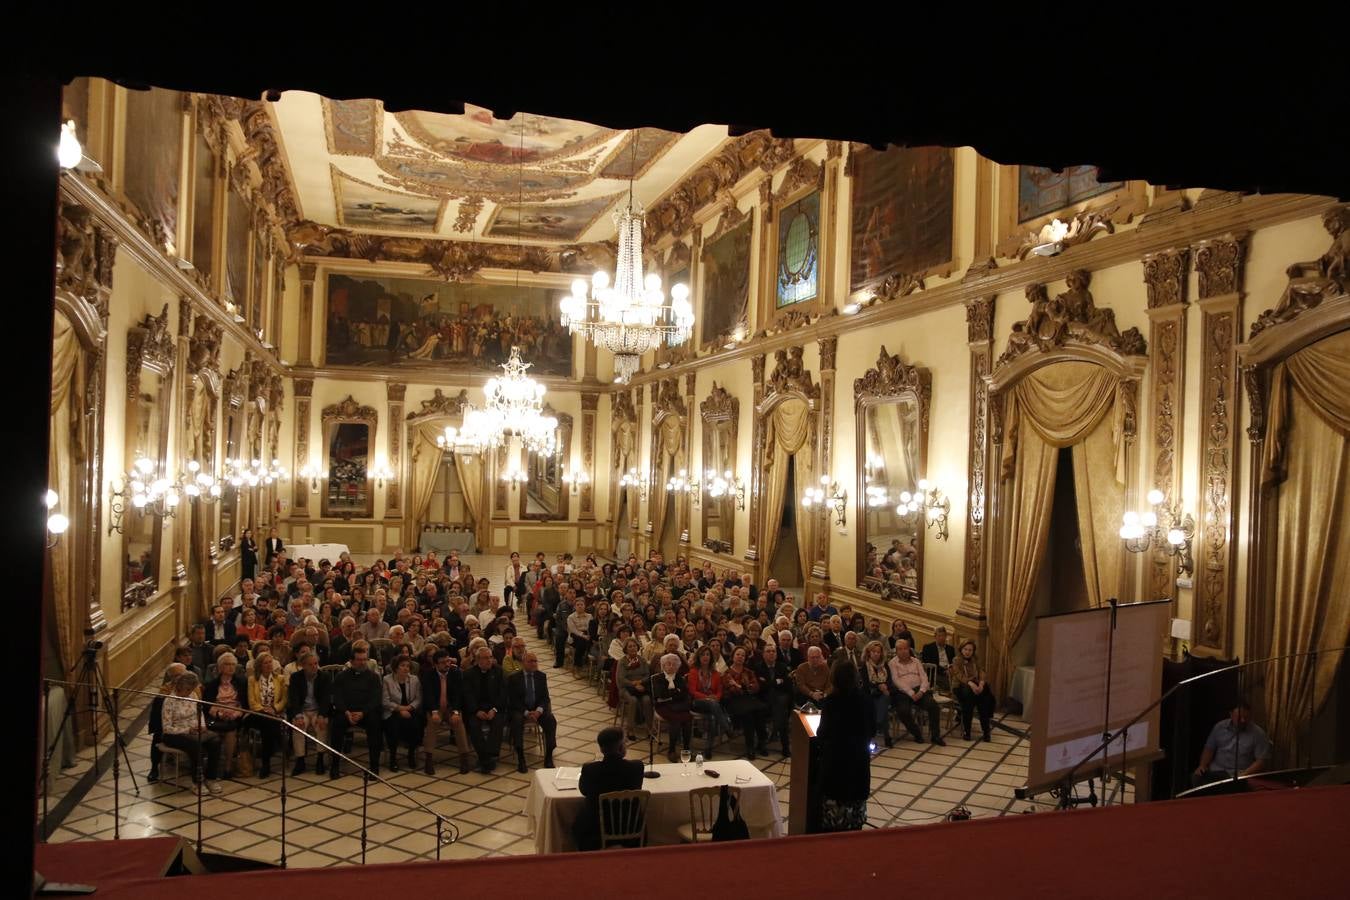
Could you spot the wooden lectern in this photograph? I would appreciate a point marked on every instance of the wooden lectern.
(803, 797)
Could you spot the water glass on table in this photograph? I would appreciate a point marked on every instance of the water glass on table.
(684, 761)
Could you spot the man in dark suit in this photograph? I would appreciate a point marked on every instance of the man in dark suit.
(357, 703)
(527, 699)
(612, 773)
(485, 708)
(443, 703)
(219, 630)
(941, 654)
(273, 547)
(309, 702)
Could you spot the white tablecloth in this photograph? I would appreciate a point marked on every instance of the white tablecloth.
(444, 541)
(552, 811)
(316, 552)
(1023, 688)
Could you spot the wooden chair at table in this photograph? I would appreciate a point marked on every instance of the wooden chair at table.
(704, 804)
(943, 698)
(623, 818)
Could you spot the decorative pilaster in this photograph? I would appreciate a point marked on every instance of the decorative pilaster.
(590, 403)
(687, 503)
(306, 315)
(395, 392)
(1218, 263)
(304, 390)
(1165, 279)
(756, 455)
(821, 567)
(980, 338)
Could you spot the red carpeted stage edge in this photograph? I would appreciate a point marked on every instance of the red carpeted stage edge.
(1275, 843)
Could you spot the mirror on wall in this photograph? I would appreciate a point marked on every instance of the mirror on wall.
(150, 356)
(720, 412)
(544, 495)
(349, 444)
(229, 499)
(892, 439)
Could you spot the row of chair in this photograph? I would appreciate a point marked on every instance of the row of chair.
(623, 816)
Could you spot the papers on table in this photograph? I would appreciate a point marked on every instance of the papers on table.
(566, 779)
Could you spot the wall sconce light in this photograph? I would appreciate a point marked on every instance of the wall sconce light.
(150, 492)
(725, 484)
(575, 480)
(631, 479)
(56, 522)
(198, 484)
(514, 476)
(831, 494)
(1168, 527)
(311, 472)
(937, 508)
(70, 154)
(682, 483)
(381, 473)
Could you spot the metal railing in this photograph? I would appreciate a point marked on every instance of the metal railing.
(446, 830)
(1100, 753)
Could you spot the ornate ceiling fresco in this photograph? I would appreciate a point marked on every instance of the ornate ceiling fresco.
(529, 178)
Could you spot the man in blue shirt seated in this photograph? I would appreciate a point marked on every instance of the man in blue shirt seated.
(823, 609)
(1235, 746)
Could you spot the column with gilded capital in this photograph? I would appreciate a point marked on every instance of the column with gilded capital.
(305, 357)
(756, 459)
(821, 567)
(304, 390)
(974, 596)
(395, 392)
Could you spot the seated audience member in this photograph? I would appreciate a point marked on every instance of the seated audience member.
(248, 625)
(672, 702)
(374, 627)
(812, 678)
(514, 660)
(156, 726)
(442, 699)
(184, 654)
(611, 773)
(899, 630)
(340, 647)
(776, 691)
(877, 686)
(823, 608)
(1236, 746)
(910, 688)
(309, 696)
(972, 691)
(528, 700)
(201, 650)
(941, 654)
(740, 692)
(402, 702)
(485, 707)
(219, 630)
(357, 700)
(787, 650)
(852, 650)
(705, 689)
(267, 699)
(579, 633)
(186, 730)
(228, 695)
(632, 676)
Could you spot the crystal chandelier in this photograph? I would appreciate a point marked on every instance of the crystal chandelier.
(515, 408)
(632, 315)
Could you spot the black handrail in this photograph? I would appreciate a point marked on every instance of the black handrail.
(367, 774)
(1068, 781)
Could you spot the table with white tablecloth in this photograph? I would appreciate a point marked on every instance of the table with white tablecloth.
(1023, 688)
(316, 552)
(552, 804)
(445, 541)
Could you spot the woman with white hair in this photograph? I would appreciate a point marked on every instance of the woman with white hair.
(672, 702)
(184, 729)
(227, 693)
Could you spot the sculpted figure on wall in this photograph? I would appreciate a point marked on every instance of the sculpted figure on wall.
(1313, 281)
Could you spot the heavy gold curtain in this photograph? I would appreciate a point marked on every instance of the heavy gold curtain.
(62, 456)
(668, 456)
(786, 433)
(1308, 464)
(1101, 501)
(424, 466)
(1061, 405)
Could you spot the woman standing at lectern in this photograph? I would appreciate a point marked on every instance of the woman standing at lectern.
(847, 726)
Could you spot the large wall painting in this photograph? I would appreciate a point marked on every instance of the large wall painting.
(726, 282)
(902, 213)
(384, 321)
(1041, 191)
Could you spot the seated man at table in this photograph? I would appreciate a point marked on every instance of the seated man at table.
(612, 773)
(1236, 746)
(527, 699)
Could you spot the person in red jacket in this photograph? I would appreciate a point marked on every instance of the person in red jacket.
(705, 686)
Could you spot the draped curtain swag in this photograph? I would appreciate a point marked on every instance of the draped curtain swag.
(424, 466)
(668, 454)
(67, 383)
(1061, 405)
(1307, 463)
(786, 432)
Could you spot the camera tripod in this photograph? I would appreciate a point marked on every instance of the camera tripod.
(87, 673)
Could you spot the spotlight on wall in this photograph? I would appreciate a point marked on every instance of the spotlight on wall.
(56, 522)
(1052, 239)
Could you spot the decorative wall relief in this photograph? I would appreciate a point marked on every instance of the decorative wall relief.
(304, 390)
(1219, 263)
(828, 348)
(590, 404)
(979, 334)
(396, 392)
(1070, 316)
(1313, 281)
(1165, 280)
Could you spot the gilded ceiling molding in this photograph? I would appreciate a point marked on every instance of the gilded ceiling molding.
(469, 210)
(276, 189)
(1072, 316)
(450, 260)
(1313, 281)
(980, 269)
(802, 173)
(834, 149)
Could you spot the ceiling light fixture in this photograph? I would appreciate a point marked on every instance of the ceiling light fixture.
(632, 315)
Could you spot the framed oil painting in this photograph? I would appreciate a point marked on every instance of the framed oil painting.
(1031, 197)
(903, 216)
(1042, 191)
(552, 222)
(403, 322)
(203, 205)
(236, 249)
(154, 128)
(361, 205)
(726, 282)
(797, 274)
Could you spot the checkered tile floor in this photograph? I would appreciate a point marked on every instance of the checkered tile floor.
(912, 784)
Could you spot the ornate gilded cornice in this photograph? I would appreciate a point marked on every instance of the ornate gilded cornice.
(893, 377)
(304, 388)
(732, 215)
(980, 319)
(1165, 277)
(1315, 280)
(803, 173)
(451, 260)
(1072, 316)
(674, 213)
(790, 375)
(719, 404)
(442, 404)
(149, 346)
(349, 409)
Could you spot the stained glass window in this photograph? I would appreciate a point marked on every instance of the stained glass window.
(799, 251)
